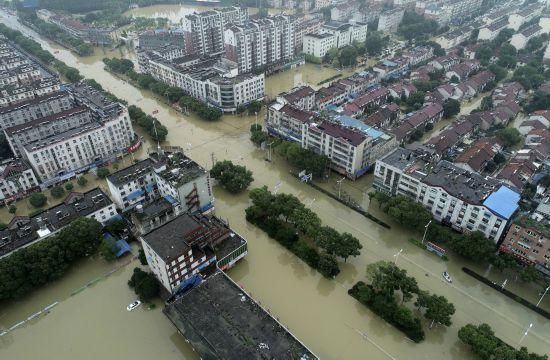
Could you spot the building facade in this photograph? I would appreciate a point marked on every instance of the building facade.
(463, 200)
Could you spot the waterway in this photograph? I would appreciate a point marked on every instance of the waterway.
(176, 13)
(95, 324)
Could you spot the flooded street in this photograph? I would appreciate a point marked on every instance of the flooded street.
(95, 324)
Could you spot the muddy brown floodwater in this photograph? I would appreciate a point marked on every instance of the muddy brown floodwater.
(94, 323)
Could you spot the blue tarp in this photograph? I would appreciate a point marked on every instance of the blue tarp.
(122, 248)
(503, 202)
(136, 194)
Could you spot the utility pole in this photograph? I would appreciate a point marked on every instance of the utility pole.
(269, 151)
(426, 231)
(213, 158)
(542, 297)
(256, 113)
(340, 186)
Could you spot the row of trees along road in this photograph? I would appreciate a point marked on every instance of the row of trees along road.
(284, 218)
(487, 346)
(473, 246)
(388, 283)
(47, 260)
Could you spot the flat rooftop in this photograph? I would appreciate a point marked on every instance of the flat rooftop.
(223, 322)
(416, 164)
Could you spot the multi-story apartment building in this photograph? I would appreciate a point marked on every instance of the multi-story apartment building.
(389, 20)
(16, 180)
(259, 43)
(464, 200)
(491, 31)
(78, 149)
(452, 11)
(346, 33)
(302, 97)
(455, 36)
(170, 175)
(187, 244)
(19, 93)
(25, 230)
(302, 27)
(33, 109)
(351, 146)
(528, 241)
(319, 44)
(205, 31)
(214, 82)
(20, 135)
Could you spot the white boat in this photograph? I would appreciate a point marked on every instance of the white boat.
(447, 277)
(133, 305)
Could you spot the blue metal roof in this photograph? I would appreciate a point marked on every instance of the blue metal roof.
(122, 248)
(351, 122)
(171, 200)
(503, 202)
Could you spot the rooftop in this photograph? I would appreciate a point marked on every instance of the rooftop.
(131, 172)
(23, 229)
(223, 322)
(503, 202)
(468, 186)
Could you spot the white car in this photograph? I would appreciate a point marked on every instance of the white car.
(133, 305)
(447, 277)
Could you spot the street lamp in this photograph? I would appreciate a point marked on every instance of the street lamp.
(525, 333)
(542, 297)
(340, 185)
(504, 283)
(426, 231)
(397, 255)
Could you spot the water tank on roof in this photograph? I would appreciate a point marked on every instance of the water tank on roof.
(139, 208)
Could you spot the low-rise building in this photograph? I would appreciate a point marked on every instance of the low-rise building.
(24, 230)
(524, 15)
(166, 174)
(185, 245)
(528, 241)
(520, 40)
(16, 180)
(319, 44)
(491, 31)
(463, 200)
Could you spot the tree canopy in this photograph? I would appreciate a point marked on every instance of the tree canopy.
(509, 136)
(144, 284)
(233, 178)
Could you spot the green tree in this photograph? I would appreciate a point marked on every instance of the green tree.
(509, 136)
(416, 100)
(82, 181)
(107, 249)
(348, 56)
(386, 278)
(254, 107)
(499, 158)
(144, 284)
(347, 246)
(499, 71)
(490, 166)
(451, 107)
(328, 267)
(69, 186)
(439, 310)
(233, 178)
(103, 172)
(375, 43)
(12, 209)
(142, 258)
(38, 199)
(474, 246)
(528, 76)
(58, 192)
(327, 239)
(257, 135)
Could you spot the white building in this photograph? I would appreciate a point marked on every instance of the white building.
(78, 149)
(491, 31)
(213, 82)
(204, 32)
(16, 180)
(260, 43)
(464, 200)
(389, 20)
(346, 33)
(170, 175)
(319, 44)
(524, 15)
(520, 40)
